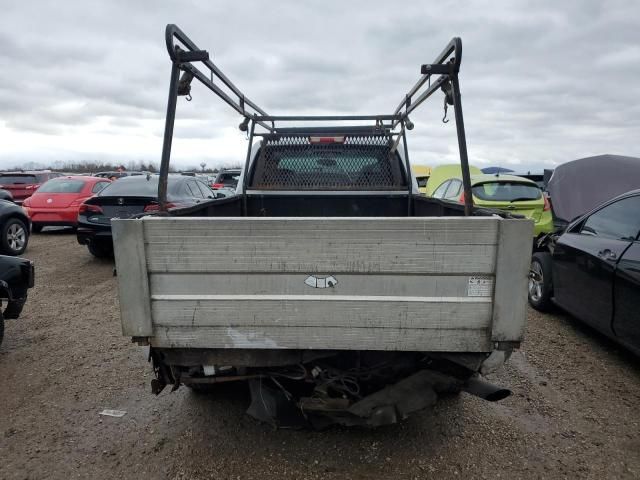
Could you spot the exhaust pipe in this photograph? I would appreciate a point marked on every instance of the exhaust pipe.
(485, 390)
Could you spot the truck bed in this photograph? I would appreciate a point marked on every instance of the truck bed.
(399, 283)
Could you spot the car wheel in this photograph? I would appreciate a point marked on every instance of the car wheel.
(540, 288)
(15, 237)
(36, 228)
(100, 249)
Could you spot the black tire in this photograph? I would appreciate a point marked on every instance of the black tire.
(540, 287)
(100, 249)
(14, 308)
(36, 228)
(14, 237)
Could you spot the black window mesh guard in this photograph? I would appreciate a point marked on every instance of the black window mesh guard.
(359, 163)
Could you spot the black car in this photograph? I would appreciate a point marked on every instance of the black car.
(14, 228)
(16, 277)
(129, 196)
(6, 195)
(592, 270)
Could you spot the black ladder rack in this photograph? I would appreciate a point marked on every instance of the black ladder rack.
(184, 53)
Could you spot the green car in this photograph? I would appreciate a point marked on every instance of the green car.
(503, 192)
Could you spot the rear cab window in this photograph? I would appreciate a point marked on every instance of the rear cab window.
(357, 164)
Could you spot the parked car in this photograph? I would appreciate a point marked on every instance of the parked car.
(592, 270)
(16, 278)
(130, 196)
(56, 203)
(21, 185)
(444, 172)
(503, 192)
(114, 175)
(6, 195)
(14, 228)
(579, 186)
(227, 178)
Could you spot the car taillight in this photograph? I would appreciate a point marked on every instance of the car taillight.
(26, 203)
(547, 203)
(338, 139)
(155, 207)
(216, 186)
(31, 187)
(461, 199)
(89, 209)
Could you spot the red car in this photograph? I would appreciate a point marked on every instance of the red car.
(21, 185)
(56, 203)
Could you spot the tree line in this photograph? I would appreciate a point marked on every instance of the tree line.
(88, 166)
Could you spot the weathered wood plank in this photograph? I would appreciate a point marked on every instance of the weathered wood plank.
(133, 281)
(339, 338)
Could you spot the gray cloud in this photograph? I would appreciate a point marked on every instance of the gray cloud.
(541, 85)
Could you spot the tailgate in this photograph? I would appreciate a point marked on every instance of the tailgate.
(426, 284)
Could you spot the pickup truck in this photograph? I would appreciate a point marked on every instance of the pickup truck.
(328, 283)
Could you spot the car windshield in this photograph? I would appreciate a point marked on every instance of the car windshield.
(62, 186)
(12, 179)
(506, 191)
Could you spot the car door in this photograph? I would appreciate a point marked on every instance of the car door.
(626, 295)
(585, 260)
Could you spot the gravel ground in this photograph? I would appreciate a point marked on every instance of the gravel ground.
(575, 411)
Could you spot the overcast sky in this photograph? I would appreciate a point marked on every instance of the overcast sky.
(540, 85)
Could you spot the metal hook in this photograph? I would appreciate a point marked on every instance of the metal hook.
(189, 98)
(444, 118)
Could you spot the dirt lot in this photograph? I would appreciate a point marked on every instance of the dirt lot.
(575, 411)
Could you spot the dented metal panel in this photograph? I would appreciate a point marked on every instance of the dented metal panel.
(405, 284)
